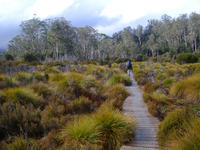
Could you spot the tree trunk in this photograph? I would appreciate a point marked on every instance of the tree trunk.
(56, 50)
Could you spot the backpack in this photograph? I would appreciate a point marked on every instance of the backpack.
(128, 65)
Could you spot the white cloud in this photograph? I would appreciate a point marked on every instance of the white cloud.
(47, 8)
(129, 11)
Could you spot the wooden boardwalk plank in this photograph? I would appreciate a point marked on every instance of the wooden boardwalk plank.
(146, 133)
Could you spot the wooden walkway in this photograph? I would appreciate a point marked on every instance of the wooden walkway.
(146, 133)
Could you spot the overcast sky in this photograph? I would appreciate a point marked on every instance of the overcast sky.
(107, 16)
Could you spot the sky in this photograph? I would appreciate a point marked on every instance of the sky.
(106, 16)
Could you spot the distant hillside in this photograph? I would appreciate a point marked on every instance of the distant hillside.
(2, 51)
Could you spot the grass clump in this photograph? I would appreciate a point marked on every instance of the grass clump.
(82, 133)
(6, 82)
(41, 89)
(173, 125)
(23, 77)
(76, 84)
(117, 94)
(190, 139)
(23, 96)
(161, 76)
(119, 78)
(115, 128)
(188, 89)
(106, 129)
(41, 76)
(19, 143)
(80, 105)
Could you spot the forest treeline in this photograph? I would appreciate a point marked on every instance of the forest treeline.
(56, 39)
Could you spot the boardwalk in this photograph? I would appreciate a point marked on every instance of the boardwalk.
(145, 136)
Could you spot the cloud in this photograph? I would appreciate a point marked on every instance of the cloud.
(128, 11)
(49, 8)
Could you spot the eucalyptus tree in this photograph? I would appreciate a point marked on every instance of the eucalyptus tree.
(61, 37)
(194, 30)
(87, 38)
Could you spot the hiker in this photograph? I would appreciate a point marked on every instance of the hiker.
(128, 67)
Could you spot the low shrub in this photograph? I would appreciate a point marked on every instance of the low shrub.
(186, 58)
(161, 76)
(16, 119)
(168, 82)
(8, 57)
(51, 116)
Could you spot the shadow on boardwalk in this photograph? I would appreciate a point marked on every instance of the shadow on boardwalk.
(146, 133)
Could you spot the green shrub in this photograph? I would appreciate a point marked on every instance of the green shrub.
(160, 76)
(167, 82)
(119, 78)
(29, 57)
(186, 58)
(23, 96)
(6, 82)
(8, 57)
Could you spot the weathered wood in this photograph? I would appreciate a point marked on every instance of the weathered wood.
(146, 133)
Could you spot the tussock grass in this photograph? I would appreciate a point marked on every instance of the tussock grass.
(119, 78)
(116, 95)
(23, 77)
(41, 89)
(19, 143)
(41, 76)
(174, 125)
(188, 89)
(76, 84)
(80, 105)
(23, 96)
(6, 82)
(106, 129)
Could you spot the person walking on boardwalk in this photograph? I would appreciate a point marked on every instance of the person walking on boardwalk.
(129, 67)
